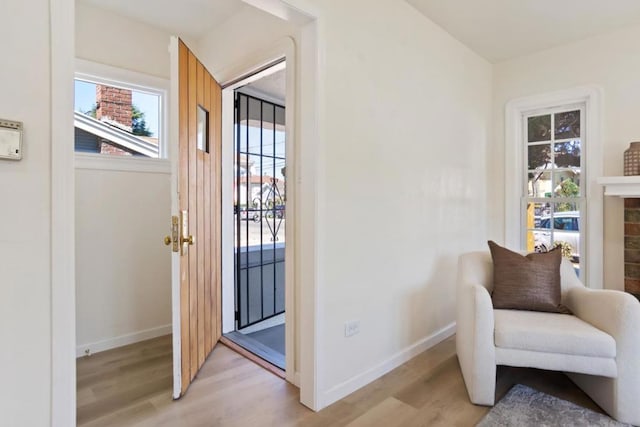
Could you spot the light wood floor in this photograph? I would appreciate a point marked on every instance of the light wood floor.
(132, 386)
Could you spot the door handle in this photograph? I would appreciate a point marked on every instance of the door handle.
(186, 239)
(180, 239)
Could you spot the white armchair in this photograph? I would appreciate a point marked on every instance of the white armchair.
(599, 345)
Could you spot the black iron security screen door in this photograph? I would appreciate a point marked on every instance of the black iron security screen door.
(260, 213)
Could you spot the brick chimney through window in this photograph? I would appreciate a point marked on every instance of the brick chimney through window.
(114, 104)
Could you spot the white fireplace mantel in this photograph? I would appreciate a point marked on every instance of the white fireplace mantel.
(621, 186)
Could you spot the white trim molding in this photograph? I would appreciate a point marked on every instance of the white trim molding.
(63, 290)
(621, 186)
(121, 340)
(352, 384)
(122, 163)
(173, 150)
(591, 98)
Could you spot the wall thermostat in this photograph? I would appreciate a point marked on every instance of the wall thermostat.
(10, 140)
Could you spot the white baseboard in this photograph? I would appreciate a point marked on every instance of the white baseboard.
(349, 386)
(108, 344)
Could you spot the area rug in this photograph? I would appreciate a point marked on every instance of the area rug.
(523, 406)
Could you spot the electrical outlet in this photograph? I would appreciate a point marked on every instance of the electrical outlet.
(351, 328)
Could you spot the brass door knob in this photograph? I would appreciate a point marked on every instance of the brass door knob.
(167, 240)
(188, 240)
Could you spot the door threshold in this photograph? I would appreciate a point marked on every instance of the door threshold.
(227, 341)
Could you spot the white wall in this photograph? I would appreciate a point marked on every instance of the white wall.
(123, 283)
(123, 269)
(105, 37)
(25, 217)
(249, 30)
(406, 109)
(611, 61)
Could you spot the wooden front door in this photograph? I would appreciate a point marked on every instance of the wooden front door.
(200, 191)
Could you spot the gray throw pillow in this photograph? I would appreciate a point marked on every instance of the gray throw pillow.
(530, 282)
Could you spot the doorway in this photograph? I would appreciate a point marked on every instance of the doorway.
(63, 287)
(260, 216)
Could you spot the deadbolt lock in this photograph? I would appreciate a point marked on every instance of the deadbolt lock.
(174, 239)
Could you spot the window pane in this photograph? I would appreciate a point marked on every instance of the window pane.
(560, 227)
(567, 125)
(531, 241)
(534, 213)
(566, 184)
(539, 156)
(539, 184)
(539, 128)
(129, 118)
(567, 154)
(541, 240)
(85, 98)
(565, 208)
(145, 115)
(202, 136)
(566, 230)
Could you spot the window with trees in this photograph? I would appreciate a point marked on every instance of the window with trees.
(554, 190)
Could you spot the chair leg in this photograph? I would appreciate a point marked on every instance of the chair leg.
(479, 378)
(607, 394)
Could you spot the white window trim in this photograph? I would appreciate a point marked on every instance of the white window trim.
(106, 162)
(591, 97)
(100, 73)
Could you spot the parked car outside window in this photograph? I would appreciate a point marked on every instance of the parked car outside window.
(566, 228)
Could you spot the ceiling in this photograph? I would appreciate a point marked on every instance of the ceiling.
(273, 86)
(191, 18)
(495, 29)
(504, 29)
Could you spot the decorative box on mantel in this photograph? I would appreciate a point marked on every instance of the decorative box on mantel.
(628, 187)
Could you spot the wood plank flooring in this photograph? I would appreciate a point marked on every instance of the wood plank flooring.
(131, 386)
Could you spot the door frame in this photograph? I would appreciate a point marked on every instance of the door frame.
(174, 156)
(63, 285)
(63, 319)
(253, 68)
